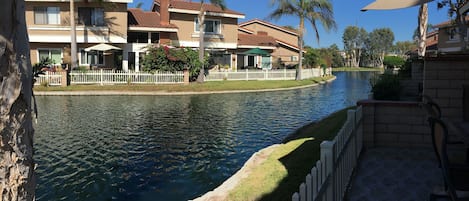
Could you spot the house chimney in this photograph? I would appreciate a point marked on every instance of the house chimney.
(164, 12)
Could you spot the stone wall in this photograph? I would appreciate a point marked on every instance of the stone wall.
(394, 124)
(444, 80)
(412, 88)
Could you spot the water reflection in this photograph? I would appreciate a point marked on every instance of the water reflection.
(168, 148)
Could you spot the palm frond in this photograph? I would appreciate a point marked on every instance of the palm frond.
(285, 7)
(219, 3)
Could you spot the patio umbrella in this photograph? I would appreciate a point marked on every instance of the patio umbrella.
(398, 4)
(102, 47)
(256, 51)
(393, 4)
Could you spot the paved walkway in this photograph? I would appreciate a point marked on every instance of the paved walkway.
(395, 174)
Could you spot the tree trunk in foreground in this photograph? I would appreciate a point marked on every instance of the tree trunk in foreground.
(423, 18)
(16, 140)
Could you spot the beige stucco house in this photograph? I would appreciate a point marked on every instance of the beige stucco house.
(449, 38)
(170, 22)
(49, 30)
(286, 48)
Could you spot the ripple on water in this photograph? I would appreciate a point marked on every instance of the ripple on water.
(168, 148)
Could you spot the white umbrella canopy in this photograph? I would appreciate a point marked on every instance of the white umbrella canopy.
(393, 4)
(102, 47)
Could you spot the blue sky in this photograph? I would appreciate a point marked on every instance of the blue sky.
(402, 22)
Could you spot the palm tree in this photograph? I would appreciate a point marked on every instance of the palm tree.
(311, 10)
(73, 45)
(201, 20)
(16, 128)
(423, 29)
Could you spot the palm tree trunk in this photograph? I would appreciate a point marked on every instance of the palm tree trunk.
(423, 18)
(300, 47)
(73, 45)
(201, 19)
(16, 130)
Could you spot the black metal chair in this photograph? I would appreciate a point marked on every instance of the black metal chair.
(456, 177)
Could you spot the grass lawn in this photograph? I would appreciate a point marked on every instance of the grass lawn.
(280, 175)
(192, 87)
(356, 69)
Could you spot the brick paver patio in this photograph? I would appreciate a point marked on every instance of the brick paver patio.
(395, 174)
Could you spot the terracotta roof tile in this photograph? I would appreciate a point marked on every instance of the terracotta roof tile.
(139, 18)
(189, 5)
(256, 40)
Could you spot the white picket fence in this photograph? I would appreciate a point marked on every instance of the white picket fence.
(279, 74)
(49, 79)
(328, 180)
(107, 77)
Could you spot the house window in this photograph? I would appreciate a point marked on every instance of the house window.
(54, 54)
(92, 57)
(294, 58)
(453, 34)
(137, 37)
(211, 26)
(46, 15)
(91, 16)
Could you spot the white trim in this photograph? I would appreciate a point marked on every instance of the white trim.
(80, 39)
(254, 46)
(449, 49)
(196, 12)
(112, 1)
(67, 28)
(288, 45)
(208, 44)
(49, 28)
(269, 25)
(225, 15)
(245, 30)
(208, 35)
(153, 29)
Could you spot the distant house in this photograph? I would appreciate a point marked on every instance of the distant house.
(448, 36)
(48, 23)
(286, 49)
(170, 22)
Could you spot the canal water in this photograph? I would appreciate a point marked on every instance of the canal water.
(169, 147)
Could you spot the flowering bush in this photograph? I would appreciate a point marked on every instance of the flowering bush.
(172, 59)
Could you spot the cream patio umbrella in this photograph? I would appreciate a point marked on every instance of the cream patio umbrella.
(398, 4)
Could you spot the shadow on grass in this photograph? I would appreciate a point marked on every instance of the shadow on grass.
(299, 162)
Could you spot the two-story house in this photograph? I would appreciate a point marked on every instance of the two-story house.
(174, 23)
(145, 28)
(286, 49)
(449, 37)
(49, 30)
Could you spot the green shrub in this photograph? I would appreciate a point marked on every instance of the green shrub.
(393, 61)
(172, 59)
(386, 87)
